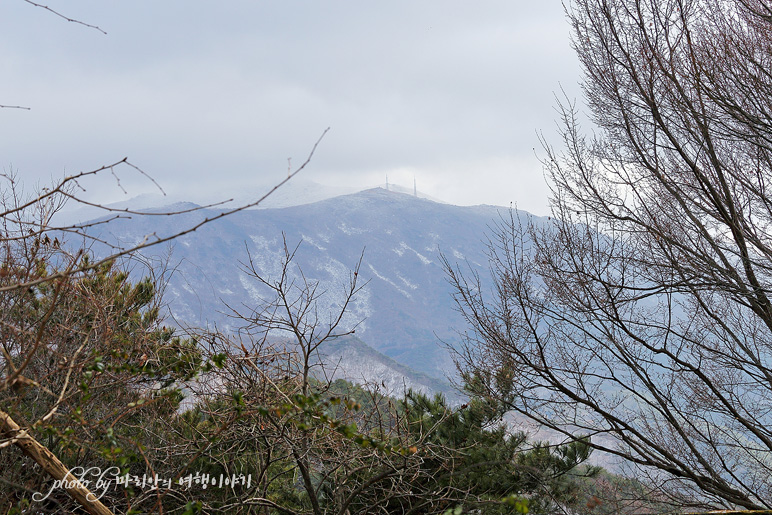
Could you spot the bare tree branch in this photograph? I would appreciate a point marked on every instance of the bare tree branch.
(65, 17)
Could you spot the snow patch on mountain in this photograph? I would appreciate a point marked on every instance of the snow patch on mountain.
(407, 282)
(425, 260)
(248, 283)
(312, 242)
(349, 231)
(338, 272)
(389, 281)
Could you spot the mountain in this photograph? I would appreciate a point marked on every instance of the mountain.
(296, 192)
(352, 359)
(405, 309)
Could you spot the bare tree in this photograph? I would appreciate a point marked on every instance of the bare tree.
(309, 448)
(640, 312)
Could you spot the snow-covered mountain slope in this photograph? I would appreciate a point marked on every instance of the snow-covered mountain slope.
(405, 310)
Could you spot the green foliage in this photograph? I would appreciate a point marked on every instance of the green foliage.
(517, 503)
(105, 371)
(192, 508)
(469, 450)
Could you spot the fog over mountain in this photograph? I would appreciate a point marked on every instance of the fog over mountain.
(405, 310)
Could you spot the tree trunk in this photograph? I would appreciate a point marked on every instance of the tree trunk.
(52, 465)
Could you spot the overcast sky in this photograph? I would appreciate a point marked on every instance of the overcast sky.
(215, 96)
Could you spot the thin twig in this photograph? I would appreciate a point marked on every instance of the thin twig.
(149, 243)
(65, 17)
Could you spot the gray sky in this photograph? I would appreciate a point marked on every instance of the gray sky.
(215, 96)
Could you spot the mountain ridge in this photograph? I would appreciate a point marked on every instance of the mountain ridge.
(405, 311)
